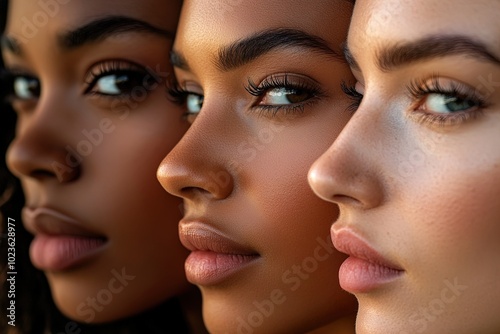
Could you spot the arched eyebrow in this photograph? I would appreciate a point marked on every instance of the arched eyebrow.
(103, 28)
(402, 54)
(94, 31)
(244, 51)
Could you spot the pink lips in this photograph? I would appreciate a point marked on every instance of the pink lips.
(60, 242)
(365, 269)
(214, 258)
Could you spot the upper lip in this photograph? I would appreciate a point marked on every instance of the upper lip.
(351, 244)
(44, 220)
(197, 236)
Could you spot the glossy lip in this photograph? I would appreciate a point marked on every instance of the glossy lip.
(214, 257)
(365, 269)
(60, 242)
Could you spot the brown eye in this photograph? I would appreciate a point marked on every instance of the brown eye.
(284, 96)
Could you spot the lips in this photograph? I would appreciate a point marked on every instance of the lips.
(60, 241)
(214, 257)
(365, 269)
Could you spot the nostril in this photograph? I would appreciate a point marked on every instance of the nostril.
(190, 191)
(41, 174)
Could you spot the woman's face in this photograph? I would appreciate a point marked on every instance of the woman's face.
(416, 172)
(94, 122)
(270, 76)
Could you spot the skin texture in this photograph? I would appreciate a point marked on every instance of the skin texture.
(242, 170)
(421, 192)
(113, 192)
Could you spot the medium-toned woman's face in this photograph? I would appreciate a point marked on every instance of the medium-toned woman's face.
(268, 77)
(94, 122)
(416, 172)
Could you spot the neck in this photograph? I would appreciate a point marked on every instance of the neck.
(191, 307)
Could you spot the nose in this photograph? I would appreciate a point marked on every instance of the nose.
(198, 165)
(349, 172)
(38, 150)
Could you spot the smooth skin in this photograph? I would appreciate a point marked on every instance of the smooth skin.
(242, 167)
(416, 172)
(63, 90)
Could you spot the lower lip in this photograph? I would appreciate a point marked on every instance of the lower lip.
(210, 268)
(61, 252)
(358, 276)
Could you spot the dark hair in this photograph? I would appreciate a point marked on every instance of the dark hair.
(35, 311)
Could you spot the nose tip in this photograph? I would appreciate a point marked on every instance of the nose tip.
(193, 179)
(40, 161)
(321, 182)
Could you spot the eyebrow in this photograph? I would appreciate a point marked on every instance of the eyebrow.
(427, 48)
(94, 31)
(246, 50)
(102, 28)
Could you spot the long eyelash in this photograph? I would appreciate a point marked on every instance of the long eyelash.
(283, 81)
(279, 81)
(108, 67)
(355, 96)
(177, 93)
(420, 88)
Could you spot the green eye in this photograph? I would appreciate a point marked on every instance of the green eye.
(445, 104)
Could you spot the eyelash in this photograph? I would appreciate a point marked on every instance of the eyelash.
(178, 94)
(283, 81)
(419, 89)
(115, 67)
(355, 96)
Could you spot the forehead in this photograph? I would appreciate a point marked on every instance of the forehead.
(224, 21)
(396, 21)
(27, 16)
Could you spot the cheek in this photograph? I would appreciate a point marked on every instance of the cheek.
(459, 218)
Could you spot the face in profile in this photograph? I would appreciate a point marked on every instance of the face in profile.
(262, 83)
(87, 80)
(416, 172)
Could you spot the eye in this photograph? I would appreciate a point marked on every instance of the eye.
(194, 103)
(118, 78)
(444, 101)
(284, 96)
(26, 88)
(445, 104)
(186, 97)
(353, 94)
(285, 92)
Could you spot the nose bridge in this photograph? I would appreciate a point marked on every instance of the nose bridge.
(349, 172)
(42, 136)
(199, 163)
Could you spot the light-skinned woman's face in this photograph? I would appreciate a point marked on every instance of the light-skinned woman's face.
(88, 84)
(416, 172)
(268, 77)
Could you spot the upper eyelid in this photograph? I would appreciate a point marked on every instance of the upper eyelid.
(98, 68)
